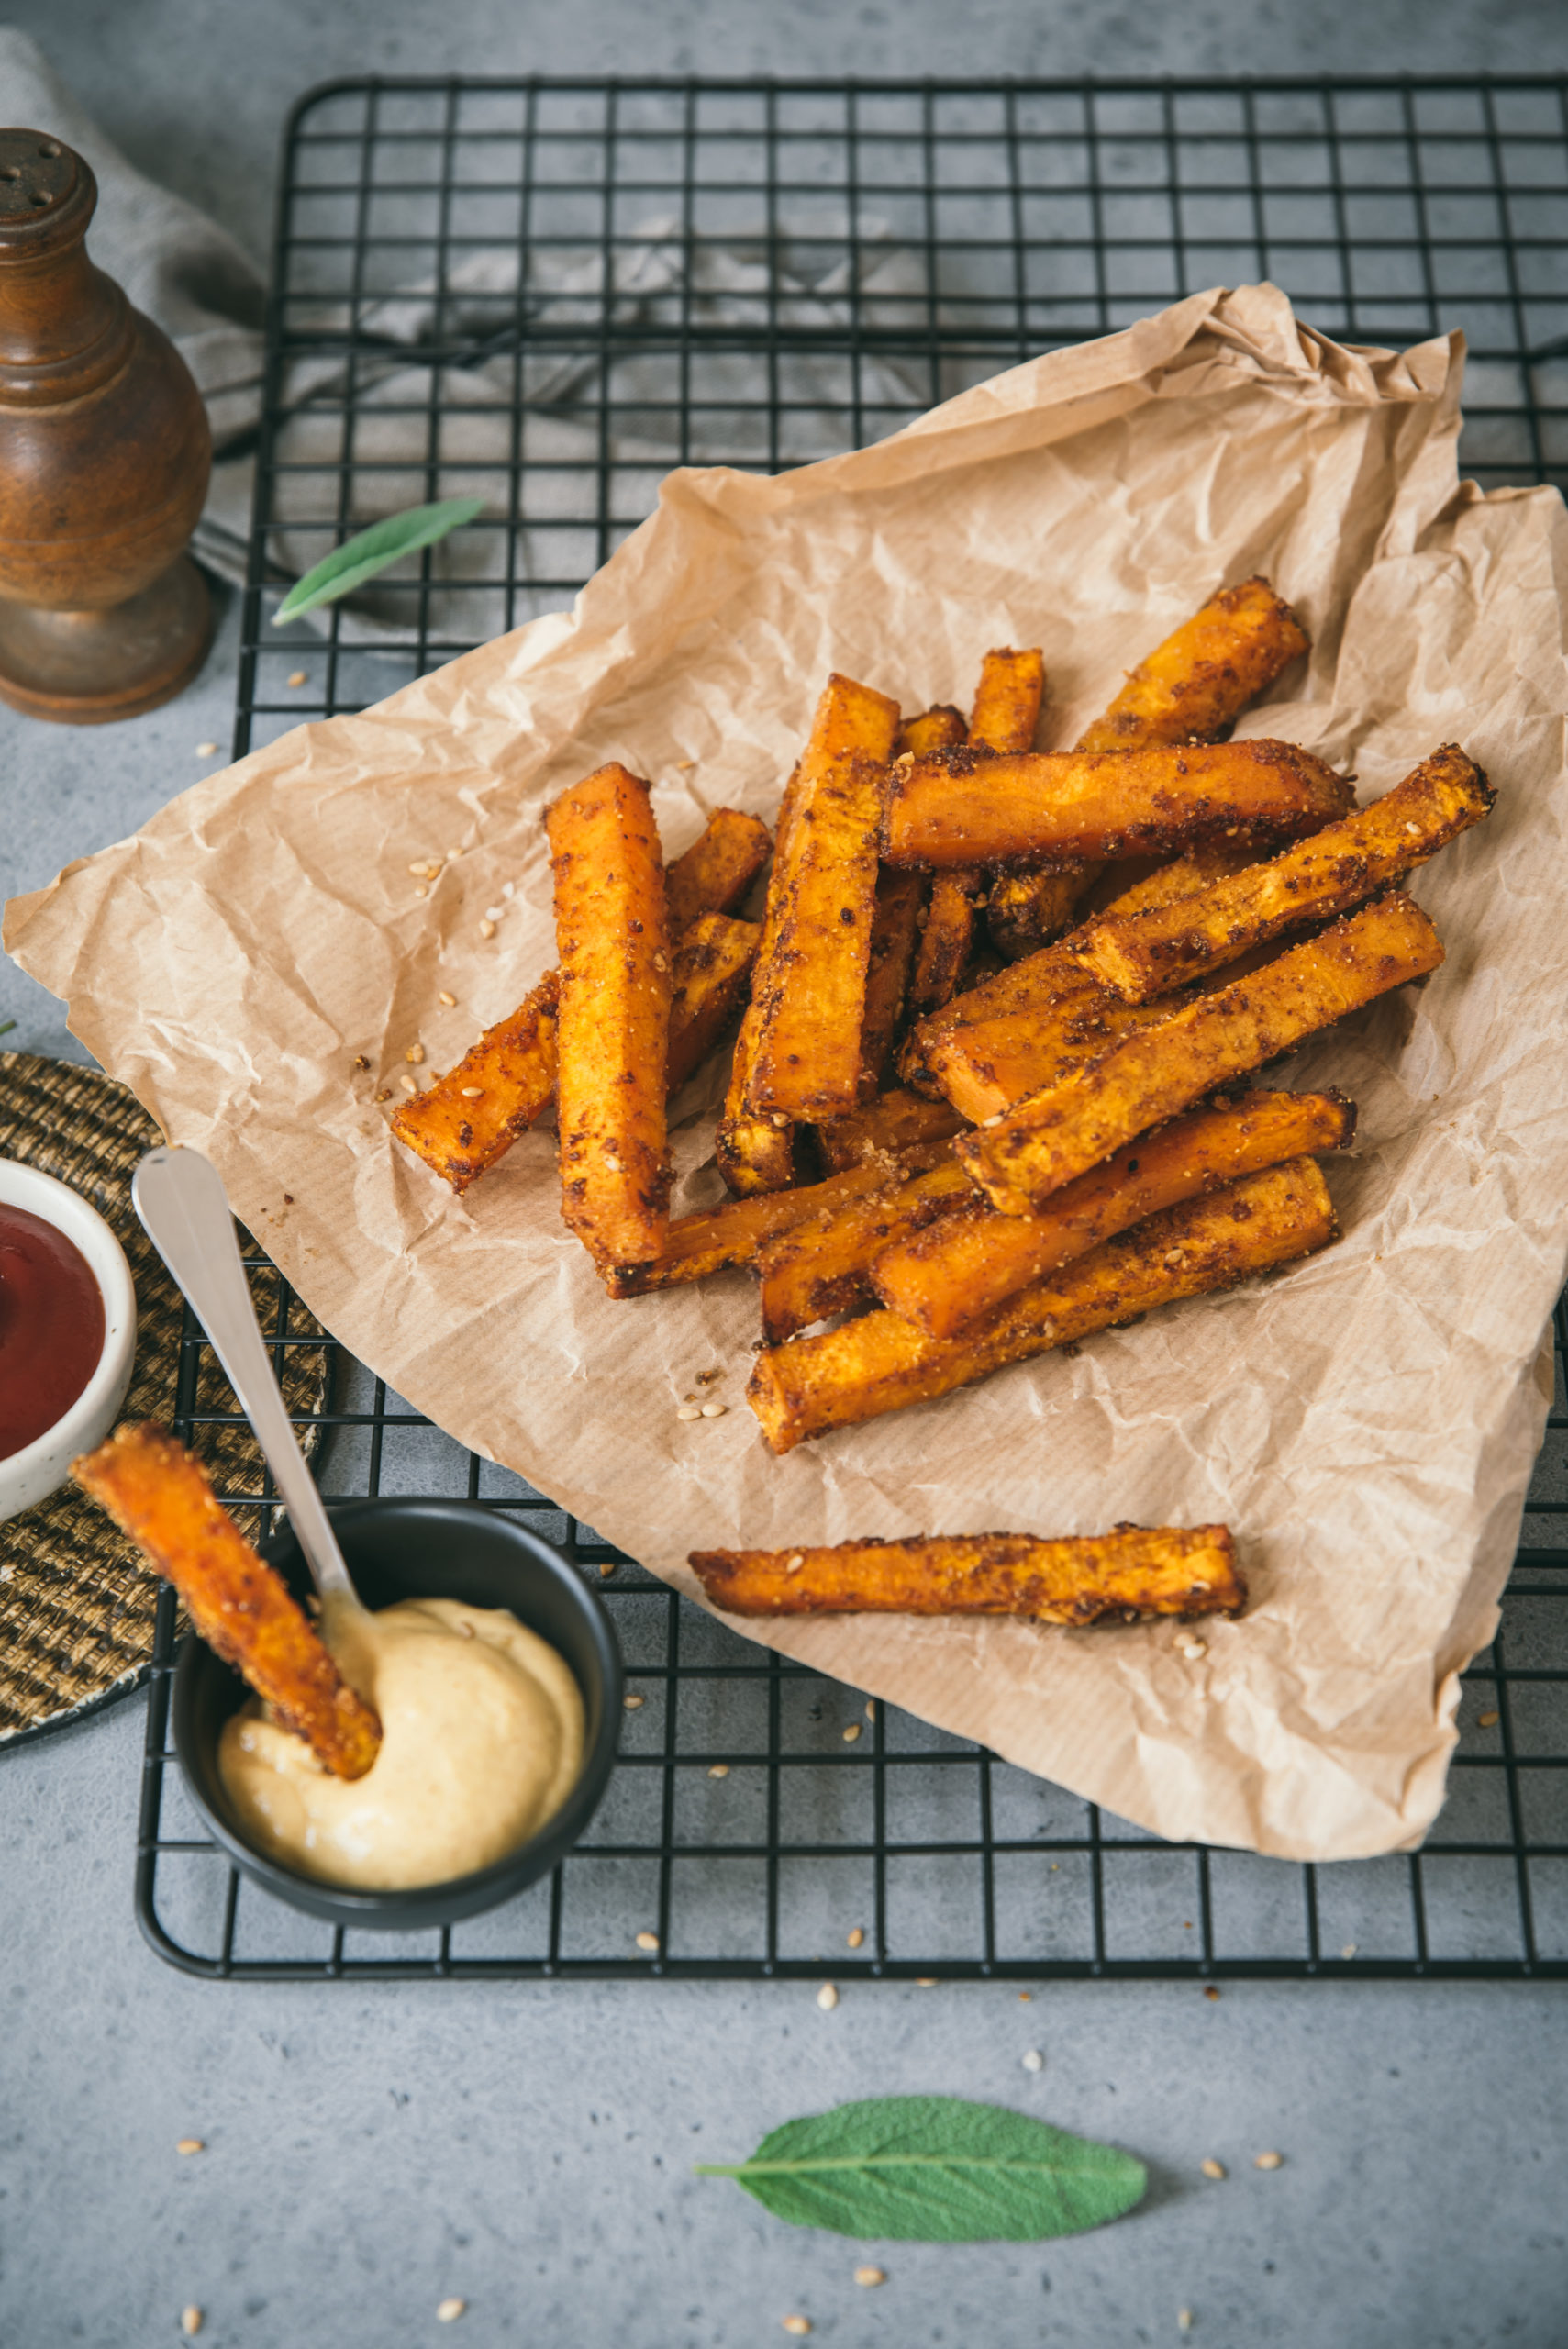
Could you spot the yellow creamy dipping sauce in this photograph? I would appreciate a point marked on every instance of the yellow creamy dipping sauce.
(482, 1742)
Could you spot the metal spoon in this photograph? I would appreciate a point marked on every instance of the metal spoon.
(179, 1196)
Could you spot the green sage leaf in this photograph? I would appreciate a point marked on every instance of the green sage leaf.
(935, 2169)
(370, 551)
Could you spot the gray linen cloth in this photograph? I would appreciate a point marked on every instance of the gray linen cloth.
(198, 284)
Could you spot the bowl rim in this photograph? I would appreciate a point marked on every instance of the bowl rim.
(454, 1899)
(78, 1220)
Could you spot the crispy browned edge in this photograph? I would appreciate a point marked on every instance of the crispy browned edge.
(822, 1266)
(1005, 715)
(938, 729)
(696, 1245)
(715, 872)
(895, 938)
(712, 969)
(882, 1363)
(1161, 1069)
(1132, 1571)
(159, 1496)
(892, 1121)
(613, 1026)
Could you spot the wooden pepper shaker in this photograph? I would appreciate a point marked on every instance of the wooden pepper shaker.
(105, 455)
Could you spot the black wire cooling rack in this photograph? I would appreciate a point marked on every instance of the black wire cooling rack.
(545, 294)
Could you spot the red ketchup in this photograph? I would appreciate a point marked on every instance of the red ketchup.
(51, 1327)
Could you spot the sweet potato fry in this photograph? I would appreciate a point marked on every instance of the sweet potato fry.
(715, 872)
(472, 1114)
(949, 1276)
(821, 1267)
(1149, 1076)
(947, 939)
(1008, 700)
(881, 1362)
(1144, 954)
(158, 1495)
(894, 937)
(696, 1245)
(1191, 688)
(1143, 1570)
(713, 966)
(939, 728)
(958, 808)
(894, 1121)
(1197, 683)
(1006, 714)
(810, 985)
(613, 1026)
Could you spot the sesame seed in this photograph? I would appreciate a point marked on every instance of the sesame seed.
(1487, 1720)
(508, 888)
(854, 1937)
(447, 999)
(494, 913)
(409, 1085)
(925, 1981)
(487, 929)
(420, 890)
(191, 2145)
(827, 1997)
(207, 750)
(608, 1569)
(1024, 1997)
(648, 1941)
(1194, 1648)
(714, 1410)
(1268, 2161)
(798, 2324)
(1350, 1949)
(419, 869)
(1184, 2320)
(1211, 2169)
(792, 1565)
(449, 2311)
(689, 1411)
(190, 2320)
(415, 1053)
(1412, 827)
(871, 1708)
(685, 766)
(851, 1732)
(296, 677)
(870, 2276)
(1032, 2060)
(719, 1770)
(632, 1702)
(659, 964)
(472, 1091)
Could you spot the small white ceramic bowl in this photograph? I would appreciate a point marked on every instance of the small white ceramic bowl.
(40, 1468)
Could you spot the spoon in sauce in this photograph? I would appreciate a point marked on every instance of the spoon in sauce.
(179, 1196)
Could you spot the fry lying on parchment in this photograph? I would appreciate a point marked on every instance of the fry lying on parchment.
(613, 1026)
(471, 1116)
(955, 1274)
(1137, 1569)
(159, 1496)
(1192, 688)
(960, 809)
(1149, 1076)
(823, 1266)
(1005, 715)
(881, 1362)
(1144, 954)
(808, 995)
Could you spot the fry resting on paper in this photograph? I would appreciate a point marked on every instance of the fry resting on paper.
(1006, 714)
(1143, 954)
(822, 1266)
(953, 1275)
(613, 1026)
(960, 809)
(1147, 1570)
(160, 1496)
(755, 1151)
(881, 1362)
(1149, 1076)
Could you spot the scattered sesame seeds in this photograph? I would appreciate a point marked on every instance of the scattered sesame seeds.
(648, 1941)
(827, 1997)
(798, 2324)
(870, 2276)
(855, 1937)
(714, 1410)
(1268, 2161)
(1032, 2060)
(852, 1733)
(472, 1091)
(487, 929)
(792, 1565)
(409, 1085)
(689, 1411)
(414, 1054)
(190, 2320)
(1487, 1720)
(719, 1770)
(296, 677)
(632, 1702)
(191, 2145)
(1211, 2169)
(206, 751)
(449, 2311)
(421, 869)
(447, 999)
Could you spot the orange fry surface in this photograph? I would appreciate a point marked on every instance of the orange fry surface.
(1007, 699)
(895, 936)
(159, 1496)
(820, 1267)
(947, 939)
(472, 1114)
(960, 809)
(1006, 714)
(715, 872)
(713, 965)
(696, 1245)
(810, 985)
(939, 729)
(1143, 954)
(754, 1148)
(1147, 1570)
(953, 1276)
(881, 1362)
(894, 1121)
(1151, 1075)
(613, 1028)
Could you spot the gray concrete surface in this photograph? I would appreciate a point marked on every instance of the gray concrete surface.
(528, 2148)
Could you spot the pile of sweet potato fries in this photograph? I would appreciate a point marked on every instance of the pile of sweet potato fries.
(985, 1093)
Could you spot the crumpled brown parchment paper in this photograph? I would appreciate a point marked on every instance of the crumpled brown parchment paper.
(1366, 1422)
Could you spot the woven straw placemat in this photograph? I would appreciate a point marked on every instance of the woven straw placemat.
(77, 1603)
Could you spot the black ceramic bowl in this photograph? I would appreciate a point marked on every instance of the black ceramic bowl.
(421, 1550)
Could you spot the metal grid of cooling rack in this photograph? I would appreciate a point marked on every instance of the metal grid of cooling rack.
(547, 293)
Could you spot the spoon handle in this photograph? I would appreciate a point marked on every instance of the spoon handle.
(179, 1196)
